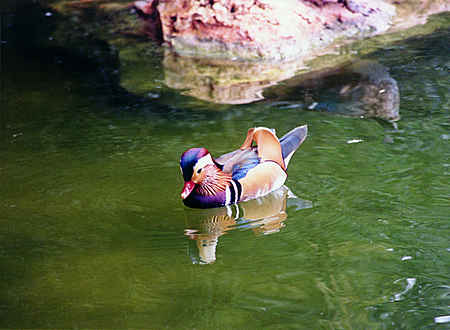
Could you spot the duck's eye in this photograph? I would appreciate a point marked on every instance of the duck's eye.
(199, 171)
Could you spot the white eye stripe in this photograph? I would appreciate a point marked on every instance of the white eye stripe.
(205, 160)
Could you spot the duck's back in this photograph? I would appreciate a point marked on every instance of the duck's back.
(239, 162)
(261, 169)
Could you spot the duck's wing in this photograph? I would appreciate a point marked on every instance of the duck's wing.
(226, 158)
(268, 145)
(239, 162)
(291, 141)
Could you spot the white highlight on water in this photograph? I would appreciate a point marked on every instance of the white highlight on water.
(410, 282)
(442, 319)
(354, 141)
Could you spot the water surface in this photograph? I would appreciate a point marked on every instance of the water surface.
(93, 233)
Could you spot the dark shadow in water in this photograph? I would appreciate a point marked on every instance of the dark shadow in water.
(264, 215)
(38, 48)
(361, 89)
(33, 38)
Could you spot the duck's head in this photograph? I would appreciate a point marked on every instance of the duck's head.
(192, 163)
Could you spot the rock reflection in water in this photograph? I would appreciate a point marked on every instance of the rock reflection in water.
(226, 82)
(264, 215)
(362, 89)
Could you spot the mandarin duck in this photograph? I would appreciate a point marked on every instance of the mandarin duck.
(246, 173)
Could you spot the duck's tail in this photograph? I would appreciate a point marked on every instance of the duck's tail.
(291, 141)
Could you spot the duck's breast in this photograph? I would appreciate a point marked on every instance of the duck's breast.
(262, 179)
(197, 200)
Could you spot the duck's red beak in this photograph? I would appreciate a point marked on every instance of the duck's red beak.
(187, 189)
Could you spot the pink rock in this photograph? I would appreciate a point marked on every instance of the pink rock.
(146, 7)
(265, 29)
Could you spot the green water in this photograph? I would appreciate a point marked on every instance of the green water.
(93, 233)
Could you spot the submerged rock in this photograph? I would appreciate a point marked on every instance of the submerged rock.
(360, 89)
(375, 95)
(264, 29)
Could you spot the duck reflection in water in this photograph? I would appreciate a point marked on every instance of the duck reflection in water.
(264, 215)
